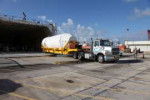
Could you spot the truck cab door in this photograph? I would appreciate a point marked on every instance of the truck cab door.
(96, 47)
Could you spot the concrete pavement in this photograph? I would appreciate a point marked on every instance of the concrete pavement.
(63, 78)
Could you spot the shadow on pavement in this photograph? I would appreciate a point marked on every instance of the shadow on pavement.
(8, 86)
(130, 61)
(124, 56)
(72, 62)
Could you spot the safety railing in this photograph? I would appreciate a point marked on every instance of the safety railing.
(22, 20)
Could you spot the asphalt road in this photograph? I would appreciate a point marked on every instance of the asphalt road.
(44, 77)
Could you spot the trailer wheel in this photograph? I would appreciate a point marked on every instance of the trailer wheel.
(80, 57)
(75, 56)
(53, 55)
(100, 58)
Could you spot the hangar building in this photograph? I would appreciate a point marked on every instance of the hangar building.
(143, 45)
(22, 35)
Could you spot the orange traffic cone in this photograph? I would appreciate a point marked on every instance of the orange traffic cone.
(143, 55)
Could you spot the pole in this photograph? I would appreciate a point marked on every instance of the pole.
(92, 45)
(143, 55)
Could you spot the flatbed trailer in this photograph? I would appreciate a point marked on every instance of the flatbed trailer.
(69, 49)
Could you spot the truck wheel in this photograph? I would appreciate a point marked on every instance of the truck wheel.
(100, 58)
(116, 60)
(53, 55)
(113, 61)
(75, 56)
(80, 57)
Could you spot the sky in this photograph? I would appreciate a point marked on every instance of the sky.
(114, 19)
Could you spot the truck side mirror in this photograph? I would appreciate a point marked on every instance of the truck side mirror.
(111, 43)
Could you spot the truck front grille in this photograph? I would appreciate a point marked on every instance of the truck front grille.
(115, 51)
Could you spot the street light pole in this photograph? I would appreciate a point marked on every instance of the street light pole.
(127, 36)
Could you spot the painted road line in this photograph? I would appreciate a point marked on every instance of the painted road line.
(66, 92)
(130, 91)
(96, 97)
(8, 70)
(18, 95)
(70, 84)
(54, 90)
(125, 90)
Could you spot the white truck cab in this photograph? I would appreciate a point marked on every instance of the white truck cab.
(101, 50)
(105, 51)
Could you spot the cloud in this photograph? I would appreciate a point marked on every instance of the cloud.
(96, 24)
(41, 17)
(139, 35)
(83, 33)
(68, 24)
(141, 13)
(44, 18)
(131, 18)
(129, 1)
(67, 27)
(59, 30)
(50, 21)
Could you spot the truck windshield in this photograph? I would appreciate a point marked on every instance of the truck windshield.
(105, 43)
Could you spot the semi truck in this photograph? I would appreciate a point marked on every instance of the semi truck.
(100, 50)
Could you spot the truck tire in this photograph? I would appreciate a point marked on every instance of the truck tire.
(113, 61)
(80, 56)
(100, 58)
(116, 60)
(75, 56)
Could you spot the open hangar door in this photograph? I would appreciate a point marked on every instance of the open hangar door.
(21, 37)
